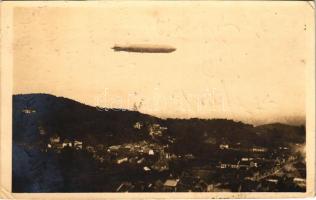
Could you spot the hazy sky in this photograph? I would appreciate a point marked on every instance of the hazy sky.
(242, 60)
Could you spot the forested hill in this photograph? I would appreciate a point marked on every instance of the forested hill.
(38, 116)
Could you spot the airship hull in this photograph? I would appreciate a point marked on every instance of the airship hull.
(144, 48)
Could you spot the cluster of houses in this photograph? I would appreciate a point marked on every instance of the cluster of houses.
(57, 144)
(254, 149)
(243, 163)
(156, 130)
(152, 156)
(195, 180)
(149, 155)
(186, 182)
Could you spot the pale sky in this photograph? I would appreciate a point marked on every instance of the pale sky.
(244, 60)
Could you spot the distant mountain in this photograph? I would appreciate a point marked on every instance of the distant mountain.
(281, 132)
(73, 120)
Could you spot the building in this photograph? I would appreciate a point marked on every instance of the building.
(67, 143)
(146, 168)
(224, 146)
(140, 160)
(90, 149)
(300, 182)
(246, 159)
(271, 180)
(77, 144)
(210, 188)
(160, 165)
(28, 111)
(170, 185)
(114, 148)
(58, 146)
(189, 156)
(122, 160)
(258, 149)
(229, 165)
(253, 164)
(54, 139)
(151, 152)
(125, 187)
(156, 130)
(138, 125)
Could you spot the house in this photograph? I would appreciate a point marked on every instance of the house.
(300, 182)
(171, 140)
(54, 139)
(171, 185)
(28, 111)
(114, 148)
(222, 166)
(122, 160)
(171, 182)
(271, 180)
(258, 149)
(140, 160)
(78, 144)
(146, 168)
(189, 156)
(160, 165)
(133, 159)
(233, 166)
(224, 146)
(253, 164)
(151, 152)
(246, 159)
(210, 188)
(67, 143)
(100, 158)
(229, 165)
(58, 146)
(90, 149)
(138, 125)
(125, 187)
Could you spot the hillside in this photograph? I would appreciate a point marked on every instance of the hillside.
(73, 120)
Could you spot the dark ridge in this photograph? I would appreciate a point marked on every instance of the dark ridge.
(71, 119)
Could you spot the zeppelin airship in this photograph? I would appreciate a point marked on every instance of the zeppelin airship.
(144, 48)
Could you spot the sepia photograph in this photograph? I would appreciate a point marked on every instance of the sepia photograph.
(158, 97)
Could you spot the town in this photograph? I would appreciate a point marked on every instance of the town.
(127, 151)
(157, 168)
